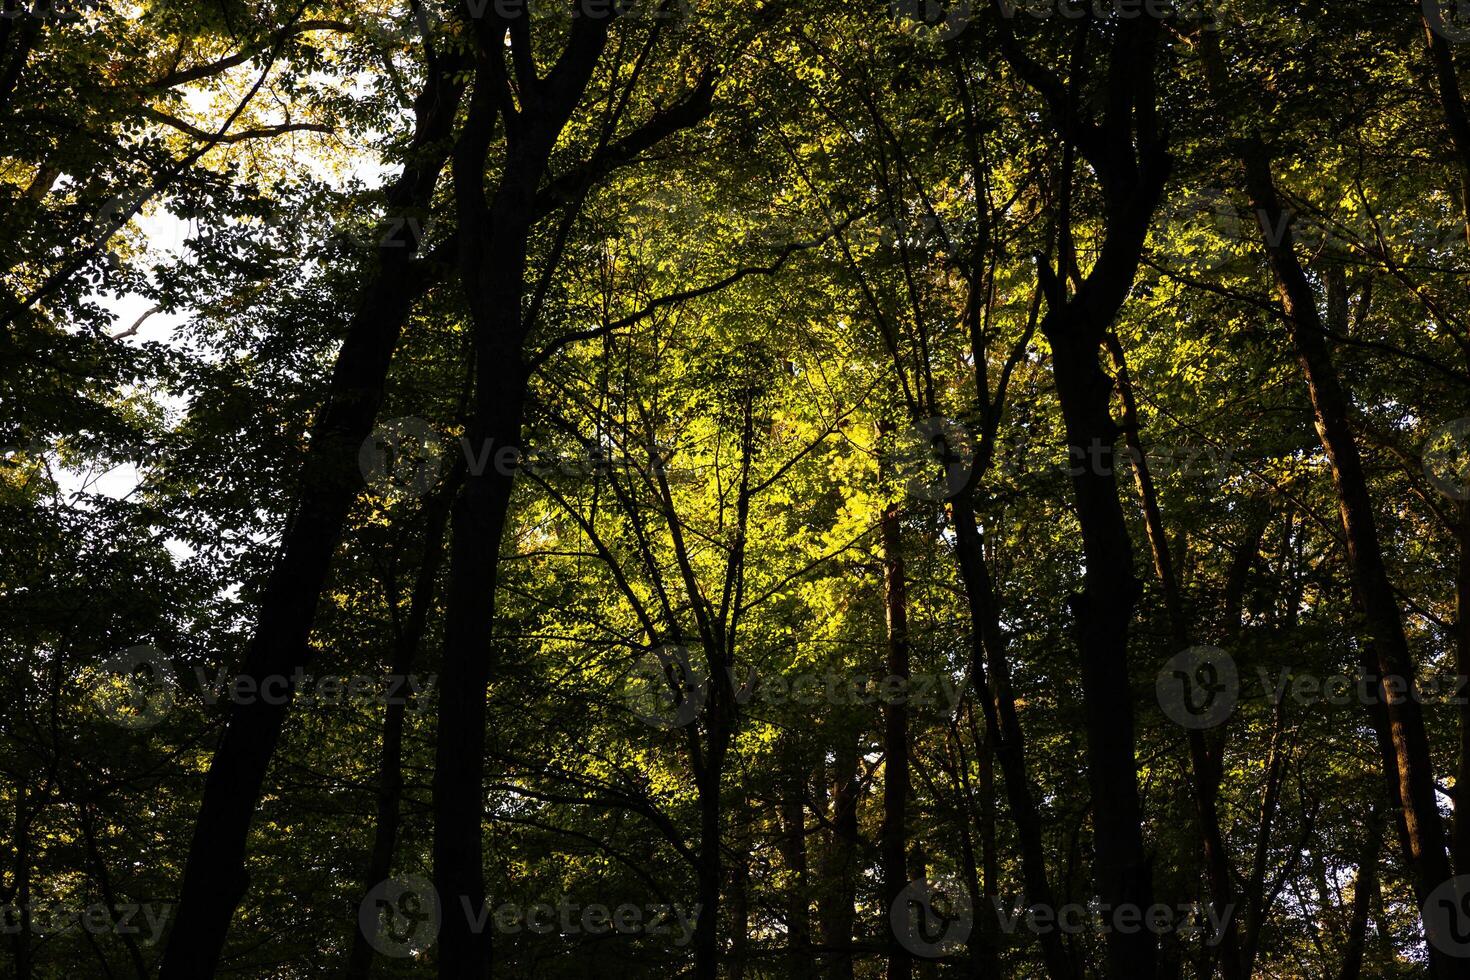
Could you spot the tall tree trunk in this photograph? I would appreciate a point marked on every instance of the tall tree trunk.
(493, 257)
(839, 869)
(1365, 887)
(706, 928)
(390, 766)
(740, 893)
(1460, 839)
(1203, 763)
(1331, 408)
(1127, 151)
(895, 738)
(1003, 726)
(794, 856)
(214, 874)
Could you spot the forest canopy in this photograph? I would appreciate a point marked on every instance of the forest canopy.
(743, 489)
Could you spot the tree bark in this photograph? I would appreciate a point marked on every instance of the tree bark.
(214, 874)
(1204, 764)
(895, 737)
(1332, 412)
(390, 767)
(839, 871)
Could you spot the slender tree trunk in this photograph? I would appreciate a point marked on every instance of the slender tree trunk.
(740, 893)
(1365, 887)
(1203, 763)
(839, 885)
(1003, 726)
(1331, 409)
(21, 940)
(214, 874)
(1460, 841)
(706, 929)
(794, 856)
(390, 766)
(1256, 900)
(895, 738)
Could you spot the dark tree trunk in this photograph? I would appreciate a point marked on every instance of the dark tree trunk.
(794, 856)
(1204, 763)
(1003, 726)
(839, 869)
(895, 739)
(390, 767)
(1331, 408)
(214, 875)
(1365, 888)
(1128, 153)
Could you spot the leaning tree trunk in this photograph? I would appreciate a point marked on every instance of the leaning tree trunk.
(1203, 763)
(1332, 415)
(214, 874)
